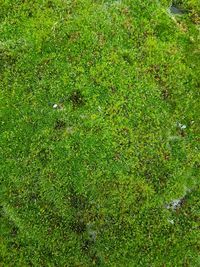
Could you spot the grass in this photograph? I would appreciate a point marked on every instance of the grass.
(95, 97)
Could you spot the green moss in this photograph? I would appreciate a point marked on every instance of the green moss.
(93, 96)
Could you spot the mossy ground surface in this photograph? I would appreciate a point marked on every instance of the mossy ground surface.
(99, 132)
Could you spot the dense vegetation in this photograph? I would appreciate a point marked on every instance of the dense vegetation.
(99, 133)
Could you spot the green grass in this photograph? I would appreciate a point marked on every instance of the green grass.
(92, 95)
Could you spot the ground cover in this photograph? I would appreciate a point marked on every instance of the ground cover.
(99, 133)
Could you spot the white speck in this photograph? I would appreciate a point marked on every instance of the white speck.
(181, 126)
(55, 106)
(170, 221)
(174, 204)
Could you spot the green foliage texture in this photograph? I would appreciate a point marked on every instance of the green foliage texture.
(99, 108)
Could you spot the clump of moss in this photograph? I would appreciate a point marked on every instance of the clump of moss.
(99, 133)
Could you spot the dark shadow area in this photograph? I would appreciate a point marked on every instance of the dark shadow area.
(77, 99)
(59, 125)
(177, 8)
